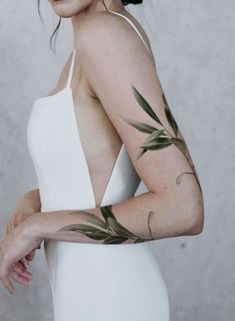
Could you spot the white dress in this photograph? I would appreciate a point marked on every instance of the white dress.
(89, 281)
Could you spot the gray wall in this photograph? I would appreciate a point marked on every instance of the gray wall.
(193, 42)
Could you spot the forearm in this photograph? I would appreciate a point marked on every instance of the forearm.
(146, 216)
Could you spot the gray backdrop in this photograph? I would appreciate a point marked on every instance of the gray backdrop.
(193, 42)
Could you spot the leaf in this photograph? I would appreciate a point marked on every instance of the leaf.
(80, 227)
(161, 140)
(115, 240)
(155, 146)
(139, 240)
(145, 128)
(160, 143)
(145, 105)
(141, 152)
(91, 218)
(169, 115)
(154, 135)
(87, 230)
(99, 235)
(180, 144)
(106, 212)
(119, 229)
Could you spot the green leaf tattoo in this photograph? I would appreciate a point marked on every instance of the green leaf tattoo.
(145, 105)
(110, 231)
(169, 116)
(160, 138)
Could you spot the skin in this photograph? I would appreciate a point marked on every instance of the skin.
(168, 209)
(26, 206)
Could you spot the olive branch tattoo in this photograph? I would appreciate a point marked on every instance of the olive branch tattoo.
(160, 138)
(109, 230)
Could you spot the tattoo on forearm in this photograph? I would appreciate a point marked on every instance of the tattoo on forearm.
(109, 230)
(160, 138)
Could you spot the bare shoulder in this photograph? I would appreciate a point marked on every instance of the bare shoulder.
(103, 30)
(108, 41)
(120, 72)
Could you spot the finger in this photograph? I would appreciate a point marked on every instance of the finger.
(24, 263)
(31, 255)
(19, 267)
(21, 277)
(6, 267)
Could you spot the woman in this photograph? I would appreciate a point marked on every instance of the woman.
(104, 127)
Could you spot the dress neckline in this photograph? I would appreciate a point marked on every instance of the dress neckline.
(68, 89)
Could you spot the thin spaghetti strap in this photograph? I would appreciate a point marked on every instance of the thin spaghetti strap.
(133, 25)
(71, 69)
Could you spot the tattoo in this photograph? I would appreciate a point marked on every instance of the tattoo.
(109, 230)
(160, 138)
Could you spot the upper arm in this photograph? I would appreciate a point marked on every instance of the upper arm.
(115, 63)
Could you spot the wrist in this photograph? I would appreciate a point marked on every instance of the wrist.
(33, 225)
(42, 224)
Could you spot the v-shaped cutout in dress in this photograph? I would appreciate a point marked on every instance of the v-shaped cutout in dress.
(56, 149)
(89, 282)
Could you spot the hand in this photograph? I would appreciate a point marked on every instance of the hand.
(13, 248)
(27, 205)
(14, 221)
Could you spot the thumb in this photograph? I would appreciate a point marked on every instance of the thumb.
(31, 255)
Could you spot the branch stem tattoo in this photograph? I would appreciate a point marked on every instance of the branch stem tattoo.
(160, 138)
(109, 230)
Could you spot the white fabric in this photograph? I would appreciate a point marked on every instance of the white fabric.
(89, 282)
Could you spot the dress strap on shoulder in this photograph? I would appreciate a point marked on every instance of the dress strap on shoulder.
(133, 25)
(71, 69)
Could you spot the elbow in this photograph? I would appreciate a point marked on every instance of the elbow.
(196, 226)
(195, 220)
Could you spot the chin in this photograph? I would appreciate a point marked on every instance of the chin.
(68, 8)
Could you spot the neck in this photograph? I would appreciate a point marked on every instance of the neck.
(96, 6)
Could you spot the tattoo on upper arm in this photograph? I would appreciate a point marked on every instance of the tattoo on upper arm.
(160, 138)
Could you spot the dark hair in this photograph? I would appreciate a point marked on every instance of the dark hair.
(55, 32)
(125, 2)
